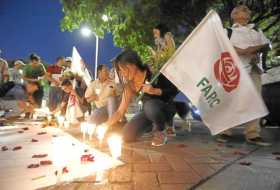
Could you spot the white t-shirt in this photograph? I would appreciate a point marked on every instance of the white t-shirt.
(102, 90)
(244, 37)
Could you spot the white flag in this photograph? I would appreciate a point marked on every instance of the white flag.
(208, 71)
(78, 66)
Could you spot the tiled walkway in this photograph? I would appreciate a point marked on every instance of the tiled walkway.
(186, 161)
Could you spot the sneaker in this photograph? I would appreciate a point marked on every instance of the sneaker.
(159, 139)
(171, 131)
(258, 141)
(223, 138)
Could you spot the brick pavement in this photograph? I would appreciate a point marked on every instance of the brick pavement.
(187, 160)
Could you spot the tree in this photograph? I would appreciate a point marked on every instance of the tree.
(131, 21)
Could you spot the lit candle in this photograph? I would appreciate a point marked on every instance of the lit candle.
(100, 132)
(84, 128)
(44, 103)
(66, 124)
(90, 130)
(115, 145)
(49, 118)
(35, 116)
(97, 91)
(60, 120)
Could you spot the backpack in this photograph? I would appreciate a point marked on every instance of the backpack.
(264, 51)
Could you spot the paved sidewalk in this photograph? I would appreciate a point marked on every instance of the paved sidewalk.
(187, 162)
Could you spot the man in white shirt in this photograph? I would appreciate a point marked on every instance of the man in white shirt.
(103, 92)
(248, 43)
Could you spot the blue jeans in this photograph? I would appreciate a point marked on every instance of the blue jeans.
(101, 115)
(156, 114)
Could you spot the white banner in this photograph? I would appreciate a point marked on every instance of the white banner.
(208, 71)
(78, 66)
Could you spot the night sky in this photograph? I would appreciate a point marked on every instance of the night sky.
(34, 26)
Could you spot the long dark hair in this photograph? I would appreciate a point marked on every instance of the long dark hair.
(130, 57)
(162, 28)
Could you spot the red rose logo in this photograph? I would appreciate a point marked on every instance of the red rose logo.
(226, 72)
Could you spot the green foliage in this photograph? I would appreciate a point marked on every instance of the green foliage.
(131, 21)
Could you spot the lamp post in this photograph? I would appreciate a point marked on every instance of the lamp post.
(86, 32)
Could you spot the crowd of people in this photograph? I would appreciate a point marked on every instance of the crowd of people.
(108, 97)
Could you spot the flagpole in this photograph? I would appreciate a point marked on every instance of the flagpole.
(96, 56)
(151, 82)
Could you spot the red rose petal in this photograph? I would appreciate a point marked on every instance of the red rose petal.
(33, 166)
(41, 133)
(4, 148)
(17, 148)
(245, 163)
(45, 162)
(34, 140)
(39, 155)
(87, 158)
(65, 170)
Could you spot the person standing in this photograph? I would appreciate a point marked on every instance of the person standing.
(4, 71)
(34, 70)
(53, 75)
(17, 73)
(248, 42)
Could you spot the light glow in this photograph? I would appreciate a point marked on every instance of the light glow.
(115, 145)
(84, 128)
(86, 32)
(90, 130)
(60, 120)
(100, 132)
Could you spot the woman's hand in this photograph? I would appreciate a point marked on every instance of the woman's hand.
(149, 89)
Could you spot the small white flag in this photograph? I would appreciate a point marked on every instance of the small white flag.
(79, 67)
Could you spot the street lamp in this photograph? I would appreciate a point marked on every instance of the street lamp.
(86, 32)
